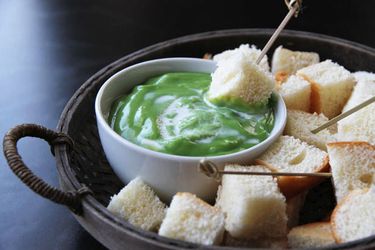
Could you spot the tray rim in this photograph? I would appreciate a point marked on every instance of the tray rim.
(69, 182)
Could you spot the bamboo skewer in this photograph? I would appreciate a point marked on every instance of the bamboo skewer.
(343, 115)
(211, 170)
(294, 7)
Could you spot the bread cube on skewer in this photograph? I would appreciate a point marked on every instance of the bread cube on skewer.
(251, 54)
(299, 125)
(289, 154)
(238, 81)
(359, 126)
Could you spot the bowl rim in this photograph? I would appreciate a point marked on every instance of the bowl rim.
(69, 180)
(276, 130)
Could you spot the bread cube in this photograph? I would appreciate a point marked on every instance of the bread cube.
(138, 204)
(286, 62)
(354, 217)
(296, 93)
(191, 219)
(318, 234)
(299, 125)
(331, 85)
(236, 79)
(289, 154)
(359, 126)
(352, 166)
(251, 54)
(253, 205)
(364, 76)
(363, 90)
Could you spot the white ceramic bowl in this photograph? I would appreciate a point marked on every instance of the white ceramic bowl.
(167, 174)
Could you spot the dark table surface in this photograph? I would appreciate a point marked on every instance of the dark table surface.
(49, 48)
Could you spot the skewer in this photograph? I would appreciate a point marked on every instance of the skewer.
(294, 8)
(343, 115)
(211, 170)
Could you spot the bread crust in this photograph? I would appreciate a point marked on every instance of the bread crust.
(315, 105)
(315, 224)
(351, 143)
(337, 208)
(291, 186)
(281, 77)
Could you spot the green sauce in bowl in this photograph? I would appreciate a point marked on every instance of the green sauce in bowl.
(170, 114)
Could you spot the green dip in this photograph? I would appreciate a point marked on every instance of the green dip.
(170, 114)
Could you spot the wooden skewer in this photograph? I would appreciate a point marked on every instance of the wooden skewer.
(294, 7)
(211, 170)
(276, 173)
(343, 115)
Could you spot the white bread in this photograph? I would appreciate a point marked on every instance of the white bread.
(359, 126)
(352, 166)
(311, 235)
(253, 205)
(270, 243)
(286, 62)
(363, 90)
(289, 154)
(331, 86)
(364, 76)
(237, 79)
(251, 53)
(191, 219)
(299, 124)
(296, 93)
(138, 204)
(354, 217)
(293, 208)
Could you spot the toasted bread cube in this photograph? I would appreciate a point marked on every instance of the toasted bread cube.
(253, 205)
(352, 166)
(331, 85)
(191, 219)
(354, 217)
(286, 62)
(311, 235)
(289, 154)
(299, 125)
(138, 204)
(236, 79)
(296, 93)
(251, 53)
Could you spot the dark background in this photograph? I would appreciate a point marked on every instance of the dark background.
(49, 48)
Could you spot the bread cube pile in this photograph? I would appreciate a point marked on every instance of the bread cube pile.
(263, 211)
(315, 92)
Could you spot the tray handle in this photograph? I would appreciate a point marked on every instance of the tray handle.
(72, 199)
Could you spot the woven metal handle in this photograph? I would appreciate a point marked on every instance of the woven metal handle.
(72, 199)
